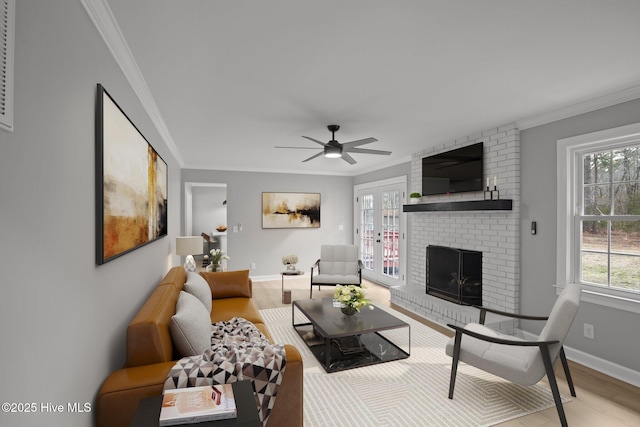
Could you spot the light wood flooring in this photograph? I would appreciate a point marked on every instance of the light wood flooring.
(601, 401)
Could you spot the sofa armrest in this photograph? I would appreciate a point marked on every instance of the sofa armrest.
(289, 407)
(121, 392)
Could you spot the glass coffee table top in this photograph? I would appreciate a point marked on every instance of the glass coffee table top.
(342, 342)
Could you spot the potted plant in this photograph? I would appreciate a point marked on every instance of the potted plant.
(351, 298)
(290, 261)
(216, 259)
(415, 197)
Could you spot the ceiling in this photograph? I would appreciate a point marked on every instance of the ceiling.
(232, 79)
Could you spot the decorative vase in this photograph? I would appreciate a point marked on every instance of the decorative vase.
(348, 310)
(216, 267)
(291, 267)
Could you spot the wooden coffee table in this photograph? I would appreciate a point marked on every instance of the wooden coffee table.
(342, 342)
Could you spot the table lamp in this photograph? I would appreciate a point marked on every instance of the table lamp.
(188, 246)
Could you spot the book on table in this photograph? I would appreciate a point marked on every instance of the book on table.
(197, 404)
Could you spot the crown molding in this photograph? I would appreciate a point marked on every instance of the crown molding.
(581, 108)
(104, 21)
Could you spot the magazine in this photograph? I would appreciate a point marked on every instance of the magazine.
(197, 404)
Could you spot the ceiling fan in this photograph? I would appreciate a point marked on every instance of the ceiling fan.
(333, 149)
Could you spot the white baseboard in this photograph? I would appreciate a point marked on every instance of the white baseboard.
(606, 367)
(274, 277)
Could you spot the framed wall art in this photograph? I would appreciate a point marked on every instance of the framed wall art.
(290, 210)
(131, 184)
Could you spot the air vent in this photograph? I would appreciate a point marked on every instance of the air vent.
(7, 30)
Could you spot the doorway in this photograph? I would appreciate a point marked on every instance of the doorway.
(206, 213)
(380, 230)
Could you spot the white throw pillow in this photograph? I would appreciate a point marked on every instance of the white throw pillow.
(199, 288)
(190, 326)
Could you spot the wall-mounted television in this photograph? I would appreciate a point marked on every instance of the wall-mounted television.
(453, 171)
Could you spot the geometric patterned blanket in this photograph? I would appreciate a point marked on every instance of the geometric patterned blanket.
(239, 351)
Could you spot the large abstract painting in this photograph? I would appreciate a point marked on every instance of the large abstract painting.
(290, 210)
(131, 184)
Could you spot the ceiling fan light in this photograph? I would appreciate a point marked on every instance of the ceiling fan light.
(332, 152)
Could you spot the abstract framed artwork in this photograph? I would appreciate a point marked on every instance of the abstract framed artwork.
(290, 210)
(131, 184)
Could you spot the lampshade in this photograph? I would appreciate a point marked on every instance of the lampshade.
(189, 245)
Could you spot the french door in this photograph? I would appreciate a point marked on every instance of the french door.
(380, 232)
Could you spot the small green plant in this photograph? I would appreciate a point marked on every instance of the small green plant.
(415, 195)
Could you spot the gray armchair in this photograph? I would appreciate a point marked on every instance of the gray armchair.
(338, 265)
(514, 359)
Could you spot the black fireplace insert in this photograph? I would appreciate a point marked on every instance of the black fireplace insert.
(454, 274)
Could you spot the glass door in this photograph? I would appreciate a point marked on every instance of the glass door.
(380, 234)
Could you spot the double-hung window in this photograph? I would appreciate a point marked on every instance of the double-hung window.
(599, 215)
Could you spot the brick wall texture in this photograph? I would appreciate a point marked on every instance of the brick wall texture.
(495, 233)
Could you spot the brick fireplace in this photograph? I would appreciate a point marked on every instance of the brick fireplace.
(495, 233)
(454, 274)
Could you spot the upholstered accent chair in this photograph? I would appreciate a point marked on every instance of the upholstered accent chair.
(514, 359)
(338, 265)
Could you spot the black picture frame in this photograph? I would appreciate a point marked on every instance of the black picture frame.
(131, 184)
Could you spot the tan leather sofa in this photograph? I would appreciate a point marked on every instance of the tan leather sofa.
(151, 352)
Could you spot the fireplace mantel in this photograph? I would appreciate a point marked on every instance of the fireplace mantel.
(470, 205)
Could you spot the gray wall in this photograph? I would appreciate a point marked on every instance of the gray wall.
(64, 318)
(402, 169)
(617, 333)
(266, 247)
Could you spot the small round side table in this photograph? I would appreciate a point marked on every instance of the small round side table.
(286, 296)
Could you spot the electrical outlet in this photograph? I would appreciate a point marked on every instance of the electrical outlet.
(589, 331)
(253, 265)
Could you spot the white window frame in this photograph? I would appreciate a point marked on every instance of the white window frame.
(7, 42)
(569, 158)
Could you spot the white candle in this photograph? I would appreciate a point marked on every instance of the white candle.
(495, 181)
(487, 182)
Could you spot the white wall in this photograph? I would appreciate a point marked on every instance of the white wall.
(64, 318)
(265, 247)
(209, 211)
(494, 233)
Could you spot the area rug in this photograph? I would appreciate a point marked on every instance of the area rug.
(409, 392)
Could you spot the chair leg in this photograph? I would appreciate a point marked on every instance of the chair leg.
(567, 373)
(553, 384)
(454, 364)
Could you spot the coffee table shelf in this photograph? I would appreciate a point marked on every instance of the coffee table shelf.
(341, 342)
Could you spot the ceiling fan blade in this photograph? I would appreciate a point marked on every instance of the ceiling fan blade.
(347, 158)
(314, 140)
(314, 156)
(359, 142)
(299, 148)
(367, 151)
